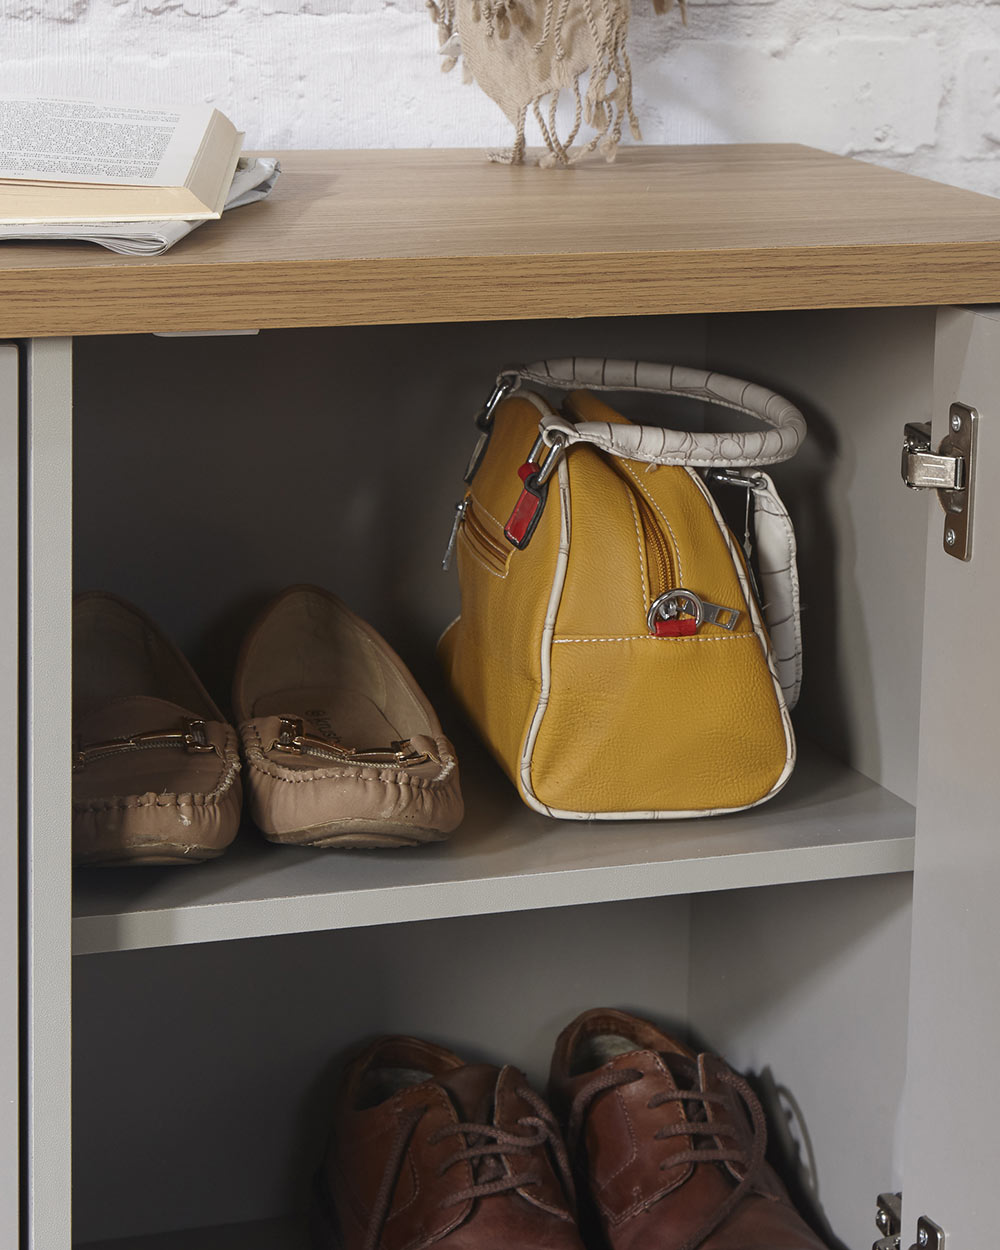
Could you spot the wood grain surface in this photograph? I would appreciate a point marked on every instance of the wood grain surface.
(415, 236)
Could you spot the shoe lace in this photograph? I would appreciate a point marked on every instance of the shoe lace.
(482, 1142)
(695, 1100)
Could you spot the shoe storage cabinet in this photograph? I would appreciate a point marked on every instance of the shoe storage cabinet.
(839, 943)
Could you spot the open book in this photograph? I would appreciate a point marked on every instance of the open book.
(254, 178)
(80, 161)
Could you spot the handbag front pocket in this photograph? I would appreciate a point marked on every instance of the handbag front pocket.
(491, 551)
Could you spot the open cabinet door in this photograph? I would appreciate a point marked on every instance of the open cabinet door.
(953, 1082)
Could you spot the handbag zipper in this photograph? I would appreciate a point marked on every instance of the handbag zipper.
(675, 612)
(661, 559)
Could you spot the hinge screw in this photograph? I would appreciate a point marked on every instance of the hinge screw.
(956, 422)
(882, 1220)
(923, 1237)
(950, 538)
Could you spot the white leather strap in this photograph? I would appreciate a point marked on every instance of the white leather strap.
(649, 443)
(779, 584)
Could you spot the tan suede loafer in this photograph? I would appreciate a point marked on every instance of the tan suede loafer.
(155, 766)
(342, 747)
(428, 1151)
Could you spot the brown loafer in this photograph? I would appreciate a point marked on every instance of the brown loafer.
(155, 766)
(669, 1143)
(429, 1150)
(342, 747)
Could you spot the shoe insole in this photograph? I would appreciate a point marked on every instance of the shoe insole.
(381, 1083)
(599, 1049)
(115, 655)
(310, 645)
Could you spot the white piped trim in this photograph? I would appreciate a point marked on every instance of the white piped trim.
(548, 632)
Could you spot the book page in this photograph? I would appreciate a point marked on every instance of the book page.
(81, 141)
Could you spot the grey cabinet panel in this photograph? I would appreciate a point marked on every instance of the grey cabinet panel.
(47, 484)
(9, 1196)
(952, 1088)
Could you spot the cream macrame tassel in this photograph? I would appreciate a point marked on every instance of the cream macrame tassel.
(524, 53)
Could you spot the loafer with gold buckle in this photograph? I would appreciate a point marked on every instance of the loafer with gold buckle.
(342, 747)
(155, 766)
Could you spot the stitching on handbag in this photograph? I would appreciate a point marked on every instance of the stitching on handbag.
(642, 560)
(480, 507)
(474, 554)
(656, 638)
(652, 502)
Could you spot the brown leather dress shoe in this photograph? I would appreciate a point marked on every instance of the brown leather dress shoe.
(670, 1144)
(429, 1150)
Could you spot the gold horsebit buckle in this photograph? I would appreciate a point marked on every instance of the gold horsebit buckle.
(192, 737)
(292, 739)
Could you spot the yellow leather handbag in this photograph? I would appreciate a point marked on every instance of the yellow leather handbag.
(611, 649)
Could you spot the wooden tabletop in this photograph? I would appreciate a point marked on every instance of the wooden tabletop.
(411, 236)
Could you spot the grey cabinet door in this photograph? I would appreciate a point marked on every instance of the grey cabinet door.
(953, 1090)
(46, 494)
(9, 422)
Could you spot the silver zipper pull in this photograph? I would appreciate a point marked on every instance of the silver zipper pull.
(664, 616)
(460, 510)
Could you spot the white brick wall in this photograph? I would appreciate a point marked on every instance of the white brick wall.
(914, 84)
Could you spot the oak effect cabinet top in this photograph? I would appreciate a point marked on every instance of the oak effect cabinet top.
(411, 236)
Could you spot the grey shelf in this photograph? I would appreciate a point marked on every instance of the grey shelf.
(829, 822)
(287, 1234)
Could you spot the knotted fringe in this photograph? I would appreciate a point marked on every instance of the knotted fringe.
(607, 103)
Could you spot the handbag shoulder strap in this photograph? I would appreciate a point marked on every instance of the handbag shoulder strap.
(649, 443)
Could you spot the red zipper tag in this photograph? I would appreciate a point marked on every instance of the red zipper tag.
(676, 627)
(528, 509)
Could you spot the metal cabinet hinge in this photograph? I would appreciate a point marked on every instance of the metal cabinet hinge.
(951, 471)
(929, 1235)
(889, 1222)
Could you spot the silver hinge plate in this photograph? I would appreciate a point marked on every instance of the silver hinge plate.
(929, 1235)
(951, 471)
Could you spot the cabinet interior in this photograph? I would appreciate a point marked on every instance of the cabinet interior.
(209, 473)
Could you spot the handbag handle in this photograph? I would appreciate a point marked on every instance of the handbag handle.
(649, 443)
